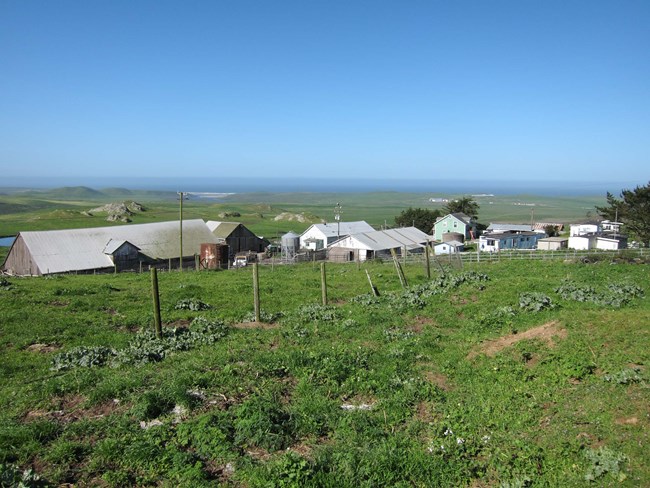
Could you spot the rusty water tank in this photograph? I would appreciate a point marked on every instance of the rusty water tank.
(214, 256)
(453, 236)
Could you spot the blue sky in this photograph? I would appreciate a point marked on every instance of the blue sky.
(494, 90)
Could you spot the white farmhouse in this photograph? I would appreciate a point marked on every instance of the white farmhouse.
(319, 236)
(585, 229)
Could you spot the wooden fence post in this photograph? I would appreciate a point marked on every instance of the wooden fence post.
(156, 303)
(374, 289)
(256, 292)
(398, 267)
(323, 283)
(428, 261)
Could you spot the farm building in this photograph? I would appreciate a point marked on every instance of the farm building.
(587, 228)
(237, 236)
(319, 236)
(103, 248)
(378, 243)
(509, 240)
(597, 241)
(448, 247)
(495, 228)
(552, 243)
(456, 222)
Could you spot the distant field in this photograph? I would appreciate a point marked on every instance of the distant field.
(64, 208)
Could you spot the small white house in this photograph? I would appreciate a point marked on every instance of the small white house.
(585, 229)
(450, 247)
(319, 236)
(582, 243)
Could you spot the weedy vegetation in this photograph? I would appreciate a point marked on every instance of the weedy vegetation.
(510, 373)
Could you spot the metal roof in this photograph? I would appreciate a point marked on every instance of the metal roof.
(494, 227)
(222, 229)
(60, 251)
(450, 243)
(342, 228)
(114, 244)
(379, 240)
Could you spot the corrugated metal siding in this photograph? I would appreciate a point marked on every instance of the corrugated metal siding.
(60, 251)
(379, 240)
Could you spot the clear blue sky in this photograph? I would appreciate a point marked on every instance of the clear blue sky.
(499, 90)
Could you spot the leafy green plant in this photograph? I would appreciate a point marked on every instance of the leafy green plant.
(314, 312)
(291, 471)
(266, 317)
(616, 294)
(624, 377)
(602, 461)
(83, 357)
(13, 476)
(191, 304)
(5, 284)
(145, 347)
(535, 302)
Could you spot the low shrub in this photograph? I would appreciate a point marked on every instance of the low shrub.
(535, 302)
(145, 347)
(191, 304)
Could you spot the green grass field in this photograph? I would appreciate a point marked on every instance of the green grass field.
(59, 208)
(500, 374)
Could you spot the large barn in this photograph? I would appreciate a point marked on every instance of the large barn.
(103, 248)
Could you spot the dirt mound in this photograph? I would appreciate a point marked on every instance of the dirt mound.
(546, 332)
(255, 325)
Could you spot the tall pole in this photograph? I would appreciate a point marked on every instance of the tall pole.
(337, 217)
(182, 195)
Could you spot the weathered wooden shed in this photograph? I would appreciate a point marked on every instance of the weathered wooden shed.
(238, 237)
(103, 248)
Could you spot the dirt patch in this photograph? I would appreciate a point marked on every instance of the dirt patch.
(438, 379)
(425, 412)
(43, 348)
(59, 303)
(627, 421)
(69, 409)
(421, 323)
(546, 333)
(255, 325)
(178, 324)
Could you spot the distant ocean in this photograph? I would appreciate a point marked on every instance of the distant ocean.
(330, 185)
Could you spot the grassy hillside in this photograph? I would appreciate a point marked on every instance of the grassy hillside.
(68, 207)
(503, 374)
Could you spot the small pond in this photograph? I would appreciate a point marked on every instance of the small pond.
(7, 241)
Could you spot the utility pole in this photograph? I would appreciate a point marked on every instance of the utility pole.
(183, 196)
(337, 217)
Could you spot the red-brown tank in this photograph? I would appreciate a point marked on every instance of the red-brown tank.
(214, 256)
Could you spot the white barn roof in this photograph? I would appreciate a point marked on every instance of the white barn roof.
(380, 240)
(60, 251)
(342, 228)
